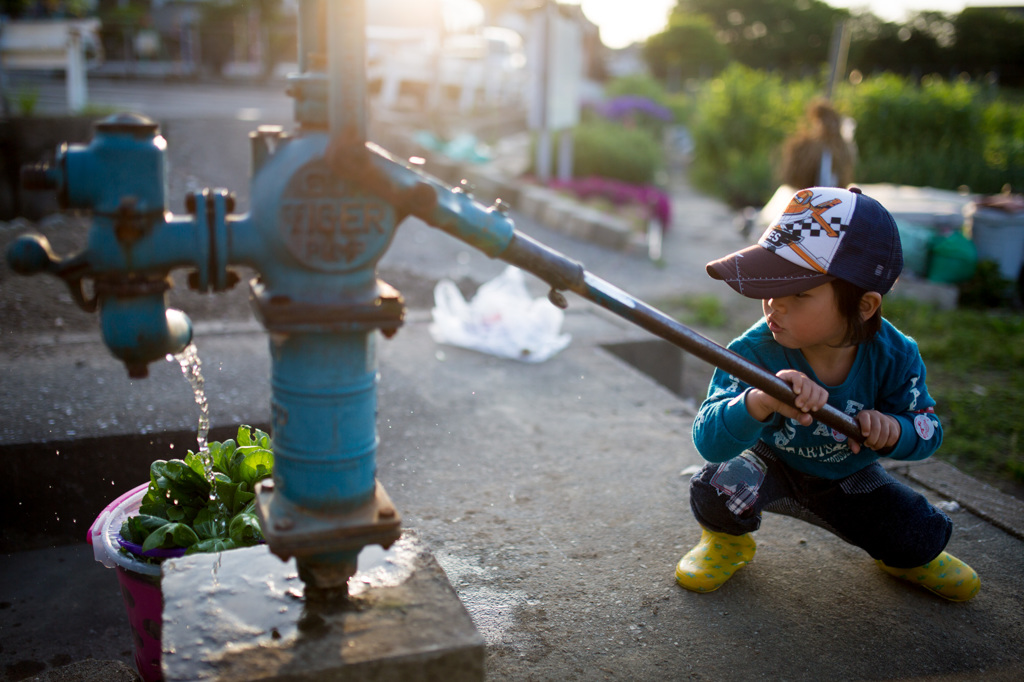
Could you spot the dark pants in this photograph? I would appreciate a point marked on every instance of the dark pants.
(869, 509)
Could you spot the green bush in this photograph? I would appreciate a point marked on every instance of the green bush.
(1003, 128)
(935, 134)
(987, 288)
(610, 150)
(740, 119)
(928, 135)
(638, 84)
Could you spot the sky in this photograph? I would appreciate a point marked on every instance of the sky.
(625, 21)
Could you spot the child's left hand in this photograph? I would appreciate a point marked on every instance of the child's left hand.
(880, 431)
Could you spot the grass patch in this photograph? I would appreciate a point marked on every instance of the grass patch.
(974, 359)
(697, 310)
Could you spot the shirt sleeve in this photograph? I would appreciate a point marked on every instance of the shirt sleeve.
(909, 402)
(723, 427)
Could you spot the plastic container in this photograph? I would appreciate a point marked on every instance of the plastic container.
(917, 241)
(998, 235)
(139, 580)
(954, 259)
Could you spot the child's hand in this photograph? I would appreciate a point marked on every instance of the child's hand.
(809, 397)
(880, 431)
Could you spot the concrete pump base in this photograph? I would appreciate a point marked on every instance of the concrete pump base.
(241, 615)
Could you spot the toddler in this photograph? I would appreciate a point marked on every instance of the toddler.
(820, 271)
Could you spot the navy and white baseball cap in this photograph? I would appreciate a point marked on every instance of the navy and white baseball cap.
(825, 233)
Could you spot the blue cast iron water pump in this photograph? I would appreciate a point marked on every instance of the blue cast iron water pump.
(325, 206)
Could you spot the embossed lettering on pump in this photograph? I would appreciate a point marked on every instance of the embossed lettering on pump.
(327, 226)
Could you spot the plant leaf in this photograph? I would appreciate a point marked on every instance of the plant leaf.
(196, 463)
(170, 535)
(245, 435)
(137, 528)
(212, 545)
(221, 456)
(210, 524)
(257, 465)
(245, 530)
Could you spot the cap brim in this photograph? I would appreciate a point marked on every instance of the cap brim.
(756, 272)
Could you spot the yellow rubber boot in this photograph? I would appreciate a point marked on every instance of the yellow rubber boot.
(945, 575)
(716, 557)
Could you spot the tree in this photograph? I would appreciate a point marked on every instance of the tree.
(990, 41)
(788, 35)
(792, 37)
(979, 42)
(218, 36)
(687, 48)
(875, 45)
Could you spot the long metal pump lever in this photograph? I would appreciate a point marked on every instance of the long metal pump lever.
(564, 273)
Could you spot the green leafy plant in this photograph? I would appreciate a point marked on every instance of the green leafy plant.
(27, 100)
(183, 508)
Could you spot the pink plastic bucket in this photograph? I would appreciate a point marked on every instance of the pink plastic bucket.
(140, 581)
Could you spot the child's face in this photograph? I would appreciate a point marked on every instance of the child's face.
(807, 320)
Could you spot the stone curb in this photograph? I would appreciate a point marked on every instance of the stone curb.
(982, 500)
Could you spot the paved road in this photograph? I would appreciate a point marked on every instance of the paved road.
(161, 99)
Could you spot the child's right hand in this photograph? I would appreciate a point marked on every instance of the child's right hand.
(810, 396)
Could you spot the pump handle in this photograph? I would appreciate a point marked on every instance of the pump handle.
(564, 273)
(617, 301)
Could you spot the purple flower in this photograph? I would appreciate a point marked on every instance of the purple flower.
(620, 193)
(624, 105)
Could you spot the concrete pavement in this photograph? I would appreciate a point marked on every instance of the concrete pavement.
(553, 495)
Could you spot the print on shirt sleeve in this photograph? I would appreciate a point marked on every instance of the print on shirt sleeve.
(925, 423)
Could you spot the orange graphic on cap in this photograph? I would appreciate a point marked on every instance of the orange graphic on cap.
(802, 202)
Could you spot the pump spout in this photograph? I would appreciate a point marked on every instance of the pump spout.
(137, 325)
(140, 329)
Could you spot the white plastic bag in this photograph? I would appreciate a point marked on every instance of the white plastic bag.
(500, 320)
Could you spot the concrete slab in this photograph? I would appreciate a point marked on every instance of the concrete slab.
(70, 385)
(241, 615)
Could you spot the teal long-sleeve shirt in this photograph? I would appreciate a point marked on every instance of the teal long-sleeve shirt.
(888, 375)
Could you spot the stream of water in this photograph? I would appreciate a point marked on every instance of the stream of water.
(192, 368)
